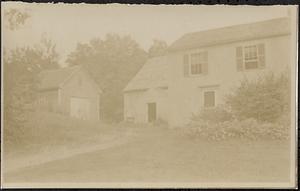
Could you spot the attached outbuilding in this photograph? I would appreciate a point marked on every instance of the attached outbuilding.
(70, 91)
(146, 95)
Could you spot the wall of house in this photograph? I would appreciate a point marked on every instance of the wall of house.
(136, 104)
(80, 86)
(186, 93)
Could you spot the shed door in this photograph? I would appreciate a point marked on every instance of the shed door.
(151, 112)
(80, 108)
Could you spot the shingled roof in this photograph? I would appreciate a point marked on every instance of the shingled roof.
(52, 79)
(257, 30)
(152, 75)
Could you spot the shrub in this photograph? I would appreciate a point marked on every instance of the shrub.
(245, 129)
(48, 128)
(265, 99)
(213, 115)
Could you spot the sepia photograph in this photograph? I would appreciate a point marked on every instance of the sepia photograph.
(148, 96)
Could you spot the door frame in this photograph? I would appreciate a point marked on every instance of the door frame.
(89, 105)
(154, 106)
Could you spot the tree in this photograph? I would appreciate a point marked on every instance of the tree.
(15, 18)
(158, 48)
(112, 62)
(21, 68)
(264, 99)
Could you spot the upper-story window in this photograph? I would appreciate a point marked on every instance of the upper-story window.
(250, 57)
(195, 63)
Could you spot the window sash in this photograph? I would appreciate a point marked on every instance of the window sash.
(197, 62)
(251, 65)
(209, 99)
(251, 57)
(196, 68)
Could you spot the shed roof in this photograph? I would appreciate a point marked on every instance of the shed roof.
(52, 79)
(153, 74)
(257, 30)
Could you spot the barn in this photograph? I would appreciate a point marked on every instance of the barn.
(69, 91)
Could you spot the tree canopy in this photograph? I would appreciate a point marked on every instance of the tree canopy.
(21, 68)
(112, 62)
(15, 18)
(158, 48)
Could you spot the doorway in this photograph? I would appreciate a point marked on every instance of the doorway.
(80, 108)
(151, 112)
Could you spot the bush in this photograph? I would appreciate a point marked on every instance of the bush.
(265, 99)
(48, 128)
(246, 129)
(213, 115)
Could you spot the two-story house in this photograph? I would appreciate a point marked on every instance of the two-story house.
(201, 68)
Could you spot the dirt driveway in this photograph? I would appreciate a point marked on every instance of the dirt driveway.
(164, 155)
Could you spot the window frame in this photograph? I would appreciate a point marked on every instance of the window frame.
(201, 63)
(253, 60)
(204, 105)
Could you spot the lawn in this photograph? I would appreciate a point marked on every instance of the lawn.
(161, 155)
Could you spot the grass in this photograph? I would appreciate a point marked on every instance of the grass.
(164, 155)
(48, 131)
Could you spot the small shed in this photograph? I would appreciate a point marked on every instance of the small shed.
(70, 91)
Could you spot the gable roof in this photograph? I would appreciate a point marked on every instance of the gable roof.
(153, 74)
(53, 79)
(257, 30)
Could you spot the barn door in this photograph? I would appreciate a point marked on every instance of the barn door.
(151, 112)
(80, 108)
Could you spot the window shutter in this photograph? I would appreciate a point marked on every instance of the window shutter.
(239, 58)
(185, 65)
(261, 56)
(205, 63)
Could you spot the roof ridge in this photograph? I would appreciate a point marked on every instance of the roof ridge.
(52, 78)
(233, 33)
(236, 25)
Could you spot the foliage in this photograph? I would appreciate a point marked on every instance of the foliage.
(158, 48)
(264, 99)
(112, 62)
(15, 18)
(21, 69)
(213, 115)
(258, 109)
(250, 129)
(52, 129)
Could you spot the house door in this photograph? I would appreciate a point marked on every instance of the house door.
(80, 108)
(151, 112)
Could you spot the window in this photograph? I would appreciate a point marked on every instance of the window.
(251, 57)
(198, 61)
(209, 99)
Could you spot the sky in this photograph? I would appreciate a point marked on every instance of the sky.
(69, 24)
